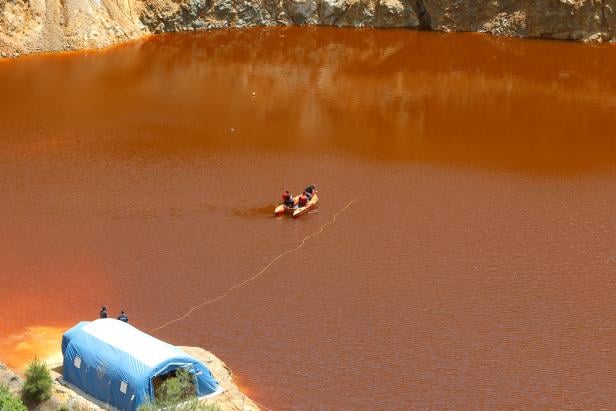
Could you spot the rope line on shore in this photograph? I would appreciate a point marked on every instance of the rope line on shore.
(263, 270)
(231, 401)
(244, 398)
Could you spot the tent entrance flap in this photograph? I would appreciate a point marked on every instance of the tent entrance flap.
(184, 384)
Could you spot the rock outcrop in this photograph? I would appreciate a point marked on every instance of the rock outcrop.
(50, 25)
(587, 20)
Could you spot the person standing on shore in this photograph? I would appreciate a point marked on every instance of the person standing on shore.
(123, 316)
(103, 312)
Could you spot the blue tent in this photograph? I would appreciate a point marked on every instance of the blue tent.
(117, 364)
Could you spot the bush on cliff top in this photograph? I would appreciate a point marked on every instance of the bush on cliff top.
(37, 387)
(9, 402)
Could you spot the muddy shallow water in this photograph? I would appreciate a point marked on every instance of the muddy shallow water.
(476, 269)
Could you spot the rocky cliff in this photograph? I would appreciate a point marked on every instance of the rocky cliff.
(50, 25)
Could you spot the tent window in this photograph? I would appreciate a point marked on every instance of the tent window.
(77, 362)
(123, 387)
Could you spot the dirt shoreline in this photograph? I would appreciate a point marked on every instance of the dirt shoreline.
(230, 399)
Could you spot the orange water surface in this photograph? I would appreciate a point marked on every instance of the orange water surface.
(477, 269)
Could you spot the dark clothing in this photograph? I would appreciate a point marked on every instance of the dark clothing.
(302, 201)
(289, 202)
(285, 197)
(123, 317)
(310, 189)
(103, 313)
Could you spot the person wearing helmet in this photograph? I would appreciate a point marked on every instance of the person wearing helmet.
(310, 190)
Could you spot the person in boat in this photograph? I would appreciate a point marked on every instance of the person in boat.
(287, 199)
(123, 316)
(303, 200)
(103, 312)
(310, 190)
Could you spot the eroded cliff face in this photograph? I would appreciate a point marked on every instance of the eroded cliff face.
(170, 15)
(587, 20)
(51, 25)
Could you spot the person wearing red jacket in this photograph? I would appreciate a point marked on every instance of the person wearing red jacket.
(303, 200)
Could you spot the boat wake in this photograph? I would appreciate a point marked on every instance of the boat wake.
(264, 211)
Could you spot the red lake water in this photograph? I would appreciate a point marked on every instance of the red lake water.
(475, 270)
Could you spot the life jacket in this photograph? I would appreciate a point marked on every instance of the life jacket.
(302, 200)
(289, 202)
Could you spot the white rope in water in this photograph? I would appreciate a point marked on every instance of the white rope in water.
(264, 269)
(189, 312)
(257, 275)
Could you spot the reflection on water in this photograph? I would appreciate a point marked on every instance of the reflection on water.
(404, 95)
(475, 271)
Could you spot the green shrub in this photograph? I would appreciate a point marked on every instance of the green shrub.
(177, 393)
(9, 402)
(37, 387)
